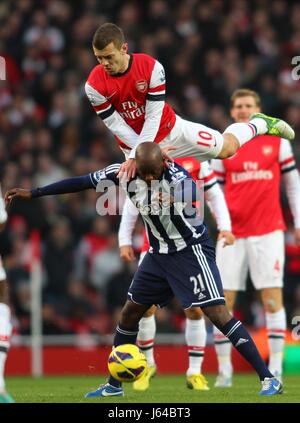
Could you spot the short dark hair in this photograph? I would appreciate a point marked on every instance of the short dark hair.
(106, 34)
(244, 92)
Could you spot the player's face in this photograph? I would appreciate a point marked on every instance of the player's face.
(243, 107)
(149, 176)
(112, 59)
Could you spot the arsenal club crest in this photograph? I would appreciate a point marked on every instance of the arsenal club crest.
(141, 85)
(267, 149)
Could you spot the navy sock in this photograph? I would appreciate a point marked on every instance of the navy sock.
(123, 336)
(242, 341)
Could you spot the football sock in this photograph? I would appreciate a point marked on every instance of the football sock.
(244, 132)
(5, 332)
(223, 348)
(145, 339)
(260, 125)
(242, 341)
(123, 336)
(276, 325)
(195, 335)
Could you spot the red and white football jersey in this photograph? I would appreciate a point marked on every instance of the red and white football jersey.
(252, 184)
(124, 100)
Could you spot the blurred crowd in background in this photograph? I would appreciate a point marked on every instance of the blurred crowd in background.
(49, 131)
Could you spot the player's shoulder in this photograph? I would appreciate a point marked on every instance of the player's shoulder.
(144, 61)
(142, 57)
(96, 76)
(175, 171)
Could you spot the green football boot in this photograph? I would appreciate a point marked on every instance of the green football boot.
(276, 126)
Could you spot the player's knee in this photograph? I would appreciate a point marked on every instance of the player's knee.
(272, 305)
(218, 315)
(150, 312)
(131, 314)
(230, 146)
(193, 313)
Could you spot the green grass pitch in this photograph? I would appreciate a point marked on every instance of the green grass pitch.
(163, 389)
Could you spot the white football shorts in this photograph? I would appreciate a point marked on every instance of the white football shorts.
(191, 140)
(262, 255)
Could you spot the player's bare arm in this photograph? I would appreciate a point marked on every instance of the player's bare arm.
(127, 253)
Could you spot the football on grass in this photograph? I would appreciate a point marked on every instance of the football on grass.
(126, 363)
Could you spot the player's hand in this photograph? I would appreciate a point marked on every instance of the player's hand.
(127, 169)
(165, 153)
(13, 193)
(127, 253)
(297, 236)
(227, 237)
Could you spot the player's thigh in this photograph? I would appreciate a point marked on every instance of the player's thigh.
(266, 260)
(196, 140)
(194, 277)
(232, 263)
(230, 297)
(149, 285)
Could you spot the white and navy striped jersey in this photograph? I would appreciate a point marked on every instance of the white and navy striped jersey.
(170, 228)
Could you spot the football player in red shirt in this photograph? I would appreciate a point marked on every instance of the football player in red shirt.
(251, 181)
(127, 91)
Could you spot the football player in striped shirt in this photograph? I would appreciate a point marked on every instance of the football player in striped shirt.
(127, 91)
(195, 330)
(181, 258)
(251, 182)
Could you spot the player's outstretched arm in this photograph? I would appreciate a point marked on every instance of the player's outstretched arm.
(64, 186)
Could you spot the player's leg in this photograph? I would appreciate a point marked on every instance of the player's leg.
(126, 333)
(195, 280)
(149, 286)
(204, 143)
(242, 341)
(195, 335)
(237, 134)
(232, 264)
(223, 348)
(276, 327)
(145, 341)
(5, 333)
(266, 260)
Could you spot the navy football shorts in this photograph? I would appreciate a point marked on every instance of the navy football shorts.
(191, 275)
